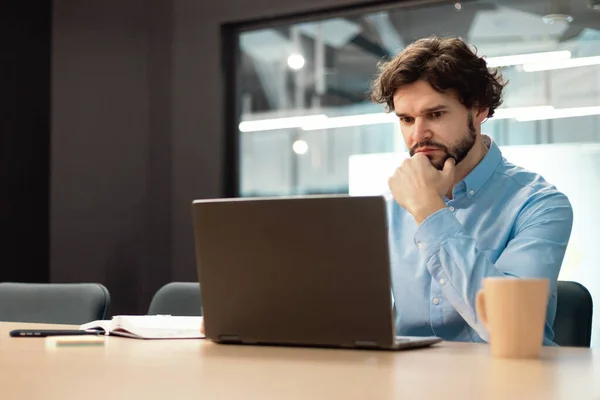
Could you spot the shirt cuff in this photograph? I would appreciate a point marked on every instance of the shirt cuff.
(436, 229)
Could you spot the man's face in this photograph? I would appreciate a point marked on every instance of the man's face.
(435, 124)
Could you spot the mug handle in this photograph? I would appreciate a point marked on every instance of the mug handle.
(480, 308)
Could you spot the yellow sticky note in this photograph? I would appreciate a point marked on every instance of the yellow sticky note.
(74, 341)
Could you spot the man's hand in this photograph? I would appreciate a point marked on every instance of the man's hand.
(418, 186)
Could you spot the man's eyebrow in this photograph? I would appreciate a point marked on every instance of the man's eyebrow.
(439, 107)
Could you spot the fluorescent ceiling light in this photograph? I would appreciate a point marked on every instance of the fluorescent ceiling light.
(351, 120)
(321, 121)
(561, 113)
(518, 59)
(517, 112)
(384, 118)
(560, 64)
(279, 123)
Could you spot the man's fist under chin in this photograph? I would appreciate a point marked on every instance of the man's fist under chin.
(419, 187)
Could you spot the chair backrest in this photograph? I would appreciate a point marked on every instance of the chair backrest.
(573, 322)
(177, 298)
(53, 303)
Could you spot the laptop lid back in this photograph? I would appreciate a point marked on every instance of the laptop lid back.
(310, 270)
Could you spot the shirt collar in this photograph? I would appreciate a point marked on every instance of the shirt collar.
(484, 170)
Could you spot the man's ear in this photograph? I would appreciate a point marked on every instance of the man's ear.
(480, 114)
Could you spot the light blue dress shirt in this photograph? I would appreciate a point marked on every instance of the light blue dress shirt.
(502, 220)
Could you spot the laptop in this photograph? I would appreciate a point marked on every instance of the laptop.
(299, 271)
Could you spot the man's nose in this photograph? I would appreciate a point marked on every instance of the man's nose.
(421, 130)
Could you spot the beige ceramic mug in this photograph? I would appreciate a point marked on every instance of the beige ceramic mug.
(514, 313)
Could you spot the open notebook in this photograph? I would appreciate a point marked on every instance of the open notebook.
(149, 327)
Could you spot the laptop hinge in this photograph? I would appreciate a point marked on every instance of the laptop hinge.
(229, 338)
(365, 343)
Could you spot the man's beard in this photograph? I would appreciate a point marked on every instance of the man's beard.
(458, 151)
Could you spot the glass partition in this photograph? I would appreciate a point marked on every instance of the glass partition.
(307, 125)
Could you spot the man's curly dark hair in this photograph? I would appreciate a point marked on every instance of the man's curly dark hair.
(448, 65)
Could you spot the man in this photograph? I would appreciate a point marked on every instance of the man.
(458, 211)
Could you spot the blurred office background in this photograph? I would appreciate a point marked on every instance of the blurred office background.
(306, 125)
(303, 87)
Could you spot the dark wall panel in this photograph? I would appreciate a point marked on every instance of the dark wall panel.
(155, 269)
(138, 133)
(24, 140)
(111, 147)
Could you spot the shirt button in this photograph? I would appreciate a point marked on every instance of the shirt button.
(451, 208)
(471, 192)
(436, 301)
(442, 281)
(420, 245)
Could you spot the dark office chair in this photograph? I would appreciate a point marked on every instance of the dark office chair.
(177, 298)
(573, 322)
(53, 303)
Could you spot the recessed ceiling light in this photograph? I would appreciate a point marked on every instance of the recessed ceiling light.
(295, 61)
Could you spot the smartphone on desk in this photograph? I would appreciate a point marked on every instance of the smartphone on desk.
(51, 332)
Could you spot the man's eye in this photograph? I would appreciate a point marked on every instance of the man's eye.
(407, 120)
(436, 114)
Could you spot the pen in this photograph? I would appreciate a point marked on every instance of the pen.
(51, 332)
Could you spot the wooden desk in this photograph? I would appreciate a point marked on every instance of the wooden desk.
(196, 369)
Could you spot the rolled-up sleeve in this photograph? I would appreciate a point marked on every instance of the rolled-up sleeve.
(537, 248)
